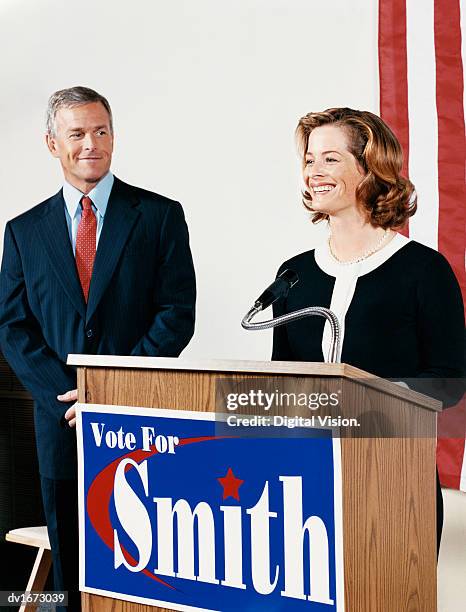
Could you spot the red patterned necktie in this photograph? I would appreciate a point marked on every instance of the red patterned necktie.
(86, 244)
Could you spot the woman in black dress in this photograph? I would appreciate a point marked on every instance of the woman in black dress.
(398, 302)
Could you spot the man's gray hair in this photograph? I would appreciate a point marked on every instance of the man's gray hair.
(73, 96)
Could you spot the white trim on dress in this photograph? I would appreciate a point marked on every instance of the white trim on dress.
(346, 277)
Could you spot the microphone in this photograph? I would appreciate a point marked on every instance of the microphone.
(279, 288)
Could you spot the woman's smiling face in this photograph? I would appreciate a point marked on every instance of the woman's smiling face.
(331, 173)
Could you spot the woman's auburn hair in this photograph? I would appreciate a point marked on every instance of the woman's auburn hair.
(388, 198)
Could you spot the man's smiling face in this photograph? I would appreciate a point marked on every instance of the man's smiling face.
(83, 142)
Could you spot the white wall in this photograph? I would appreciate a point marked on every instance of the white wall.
(206, 95)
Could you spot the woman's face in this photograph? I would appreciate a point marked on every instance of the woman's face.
(331, 172)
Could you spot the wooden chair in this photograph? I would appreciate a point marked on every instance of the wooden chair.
(38, 537)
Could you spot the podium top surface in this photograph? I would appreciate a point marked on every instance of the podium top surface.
(296, 368)
(217, 365)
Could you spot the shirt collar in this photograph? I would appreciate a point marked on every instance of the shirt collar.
(99, 195)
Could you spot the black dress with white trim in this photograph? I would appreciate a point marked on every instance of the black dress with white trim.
(400, 310)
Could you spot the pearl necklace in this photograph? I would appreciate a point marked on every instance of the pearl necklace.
(362, 257)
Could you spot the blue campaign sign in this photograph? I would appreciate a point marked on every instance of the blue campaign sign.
(173, 515)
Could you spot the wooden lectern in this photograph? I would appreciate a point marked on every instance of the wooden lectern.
(389, 506)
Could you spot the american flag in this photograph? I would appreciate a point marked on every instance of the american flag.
(422, 99)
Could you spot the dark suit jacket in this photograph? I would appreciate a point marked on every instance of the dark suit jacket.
(141, 301)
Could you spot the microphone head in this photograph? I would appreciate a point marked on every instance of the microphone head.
(278, 289)
(290, 277)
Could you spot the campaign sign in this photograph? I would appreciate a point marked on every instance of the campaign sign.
(175, 516)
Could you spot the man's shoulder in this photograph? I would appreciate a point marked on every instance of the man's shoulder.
(143, 196)
(31, 215)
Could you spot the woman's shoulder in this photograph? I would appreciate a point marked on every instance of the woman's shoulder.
(430, 271)
(301, 261)
(422, 258)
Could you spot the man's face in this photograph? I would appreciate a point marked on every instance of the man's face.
(83, 143)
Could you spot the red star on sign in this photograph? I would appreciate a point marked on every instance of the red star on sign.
(230, 485)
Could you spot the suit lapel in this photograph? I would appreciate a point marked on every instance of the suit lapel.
(56, 240)
(119, 220)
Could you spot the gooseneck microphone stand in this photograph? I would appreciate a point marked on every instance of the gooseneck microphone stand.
(273, 293)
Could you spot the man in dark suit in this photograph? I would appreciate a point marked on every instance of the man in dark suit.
(101, 267)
